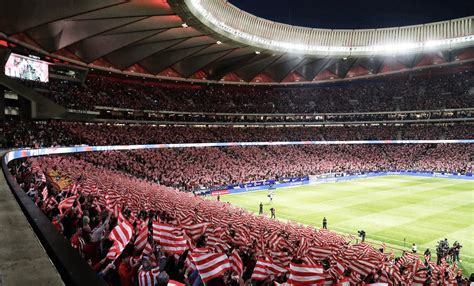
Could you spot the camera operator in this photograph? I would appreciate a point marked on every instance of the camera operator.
(439, 252)
(456, 249)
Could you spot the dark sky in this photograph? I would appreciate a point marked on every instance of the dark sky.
(357, 14)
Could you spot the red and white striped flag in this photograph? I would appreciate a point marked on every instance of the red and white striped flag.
(303, 247)
(236, 263)
(170, 238)
(305, 274)
(43, 178)
(66, 203)
(121, 236)
(196, 230)
(141, 239)
(319, 252)
(280, 258)
(184, 219)
(364, 267)
(44, 193)
(73, 189)
(264, 268)
(189, 263)
(211, 265)
(337, 268)
(111, 200)
(114, 251)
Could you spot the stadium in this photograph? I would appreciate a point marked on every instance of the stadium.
(213, 142)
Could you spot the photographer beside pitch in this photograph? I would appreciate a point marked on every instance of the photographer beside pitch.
(443, 251)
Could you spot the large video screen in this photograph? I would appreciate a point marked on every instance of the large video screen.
(26, 68)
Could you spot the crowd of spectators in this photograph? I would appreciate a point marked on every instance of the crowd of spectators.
(197, 168)
(415, 92)
(52, 133)
(88, 222)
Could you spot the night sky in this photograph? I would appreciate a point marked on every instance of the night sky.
(357, 14)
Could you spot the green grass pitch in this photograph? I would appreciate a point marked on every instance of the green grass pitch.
(390, 209)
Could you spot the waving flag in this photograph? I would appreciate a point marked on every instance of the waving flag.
(44, 193)
(264, 268)
(236, 263)
(73, 190)
(211, 265)
(114, 251)
(66, 203)
(170, 238)
(189, 263)
(141, 239)
(305, 274)
(319, 252)
(364, 267)
(121, 236)
(43, 178)
(196, 230)
(281, 258)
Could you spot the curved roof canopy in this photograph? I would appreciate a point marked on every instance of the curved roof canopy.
(212, 40)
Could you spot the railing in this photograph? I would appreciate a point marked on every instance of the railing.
(25, 153)
(241, 26)
(123, 115)
(282, 114)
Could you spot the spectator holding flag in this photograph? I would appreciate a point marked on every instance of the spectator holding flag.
(427, 255)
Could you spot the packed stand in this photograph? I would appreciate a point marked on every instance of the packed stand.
(54, 133)
(415, 92)
(134, 232)
(191, 169)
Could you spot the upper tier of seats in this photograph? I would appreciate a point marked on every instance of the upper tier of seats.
(410, 92)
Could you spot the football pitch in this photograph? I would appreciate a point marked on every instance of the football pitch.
(395, 210)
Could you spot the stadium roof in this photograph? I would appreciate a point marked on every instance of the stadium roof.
(204, 40)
